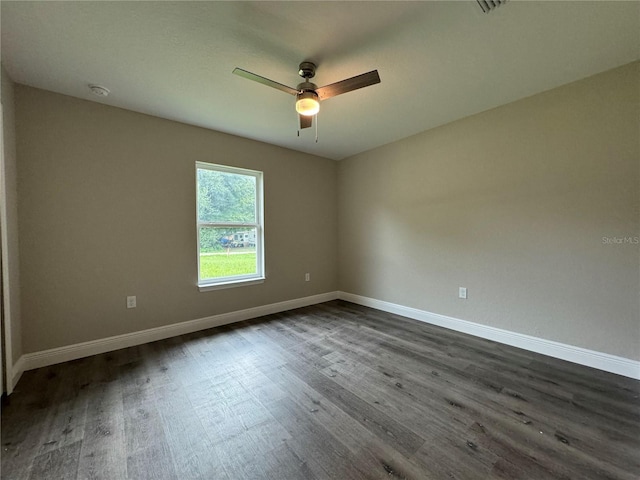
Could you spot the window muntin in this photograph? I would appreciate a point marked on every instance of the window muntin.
(229, 223)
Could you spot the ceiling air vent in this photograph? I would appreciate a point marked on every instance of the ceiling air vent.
(99, 90)
(489, 5)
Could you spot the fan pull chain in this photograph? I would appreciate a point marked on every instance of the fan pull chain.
(316, 122)
(297, 118)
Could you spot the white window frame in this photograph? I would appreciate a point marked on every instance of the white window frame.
(235, 280)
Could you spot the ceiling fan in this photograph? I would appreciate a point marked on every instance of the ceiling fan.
(308, 95)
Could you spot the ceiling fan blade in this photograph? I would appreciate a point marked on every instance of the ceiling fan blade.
(305, 121)
(348, 85)
(265, 81)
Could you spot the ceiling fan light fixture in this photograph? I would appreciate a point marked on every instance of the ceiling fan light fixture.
(308, 95)
(307, 103)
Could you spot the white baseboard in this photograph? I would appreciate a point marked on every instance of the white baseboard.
(16, 372)
(582, 356)
(44, 358)
(590, 358)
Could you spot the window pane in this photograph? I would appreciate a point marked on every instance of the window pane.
(226, 252)
(226, 197)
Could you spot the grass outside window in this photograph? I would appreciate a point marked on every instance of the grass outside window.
(222, 264)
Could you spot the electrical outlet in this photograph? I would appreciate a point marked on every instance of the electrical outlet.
(307, 277)
(462, 292)
(131, 302)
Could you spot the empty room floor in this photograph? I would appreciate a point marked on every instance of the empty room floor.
(331, 391)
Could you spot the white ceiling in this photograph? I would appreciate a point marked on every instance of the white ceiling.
(438, 61)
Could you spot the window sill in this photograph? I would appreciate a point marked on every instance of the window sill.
(207, 287)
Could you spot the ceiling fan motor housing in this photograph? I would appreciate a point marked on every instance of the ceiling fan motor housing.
(307, 70)
(307, 87)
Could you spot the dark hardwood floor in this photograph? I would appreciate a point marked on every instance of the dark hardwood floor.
(333, 391)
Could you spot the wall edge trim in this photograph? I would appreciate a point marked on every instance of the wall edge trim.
(30, 361)
(582, 356)
(17, 370)
(590, 358)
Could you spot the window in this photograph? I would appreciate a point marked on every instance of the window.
(229, 223)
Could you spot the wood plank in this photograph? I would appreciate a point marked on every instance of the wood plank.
(324, 454)
(378, 457)
(191, 449)
(61, 463)
(103, 454)
(148, 453)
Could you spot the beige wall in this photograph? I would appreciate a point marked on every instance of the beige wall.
(513, 204)
(9, 139)
(107, 209)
